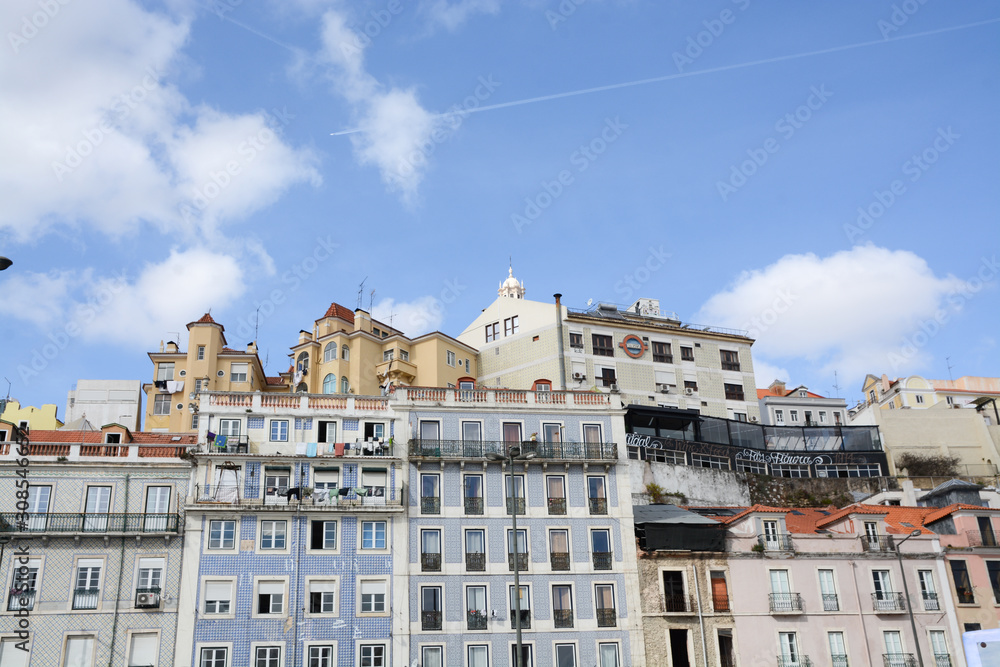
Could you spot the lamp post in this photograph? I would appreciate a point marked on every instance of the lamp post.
(514, 454)
(906, 592)
(4, 263)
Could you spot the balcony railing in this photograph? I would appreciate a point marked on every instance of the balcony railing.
(21, 599)
(831, 602)
(877, 543)
(982, 538)
(430, 505)
(525, 619)
(598, 505)
(800, 661)
(888, 602)
(502, 397)
(473, 505)
(479, 449)
(85, 598)
(839, 660)
(560, 561)
(777, 542)
(475, 562)
(430, 620)
(557, 505)
(373, 497)
(147, 598)
(942, 660)
(562, 618)
(89, 523)
(602, 560)
(931, 602)
(430, 562)
(606, 618)
(476, 620)
(720, 602)
(522, 562)
(785, 603)
(520, 505)
(898, 660)
(677, 603)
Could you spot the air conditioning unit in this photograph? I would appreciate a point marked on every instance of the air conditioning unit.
(579, 376)
(663, 388)
(688, 391)
(147, 600)
(614, 386)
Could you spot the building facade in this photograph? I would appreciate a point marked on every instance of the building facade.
(918, 393)
(106, 402)
(781, 406)
(29, 417)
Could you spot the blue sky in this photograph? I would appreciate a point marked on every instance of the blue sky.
(820, 174)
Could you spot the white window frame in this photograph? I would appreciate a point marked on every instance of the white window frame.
(333, 581)
(255, 646)
(223, 549)
(385, 652)
(385, 546)
(285, 602)
(239, 372)
(159, 402)
(329, 643)
(282, 433)
(450, 358)
(231, 581)
(216, 646)
(260, 535)
(359, 602)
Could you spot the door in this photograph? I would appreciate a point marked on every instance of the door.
(989, 539)
(472, 437)
(157, 506)
(679, 648)
(838, 650)
(939, 645)
(828, 590)
(511, 432)
(143, 650)
(883, 589)
(98, 504)
(789, 649)
(894, 648)
(673, 591)
(927, 590)
(475, 599)
(720, 591)
(275, 488)
(430, 431)
(781, 597)
(871, 535)
(771, 540)
(38, 507)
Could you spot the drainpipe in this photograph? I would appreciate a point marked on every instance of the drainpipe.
(562, 353)
(118, 593)
(861, 618)
(701, 617)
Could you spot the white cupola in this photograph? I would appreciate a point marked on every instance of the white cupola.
(511, 288)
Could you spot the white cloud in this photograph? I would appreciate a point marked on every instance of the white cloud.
(104, 139)
(857, 311)
(39, 298)
(413, 318)
(765, 373)
(452, 15)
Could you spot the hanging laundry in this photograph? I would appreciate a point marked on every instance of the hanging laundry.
(160, 384)
(300, 449)
(311, 448)
(338, 448)
(174, 386)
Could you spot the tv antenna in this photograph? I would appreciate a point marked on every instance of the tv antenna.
(361, 292)
(256, 325)
(948, 360)
(371, 300)
(836, 386)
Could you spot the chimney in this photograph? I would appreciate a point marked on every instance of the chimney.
(777, 387)
(561, 345)
(252, 348)
(171, 346)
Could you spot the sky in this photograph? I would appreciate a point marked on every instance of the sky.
(821, 175)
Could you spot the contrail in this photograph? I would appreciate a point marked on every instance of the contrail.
(681, 75)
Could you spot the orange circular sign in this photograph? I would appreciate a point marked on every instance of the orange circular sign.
(633, 346)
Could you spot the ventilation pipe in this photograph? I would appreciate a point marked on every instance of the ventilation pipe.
(562, 348)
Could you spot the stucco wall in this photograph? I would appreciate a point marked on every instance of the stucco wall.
(700, 486)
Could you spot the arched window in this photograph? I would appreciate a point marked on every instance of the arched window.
(302, 388)
(330, 383)
(345, 353)
(302, 362)
(330, 352)
(345, 385)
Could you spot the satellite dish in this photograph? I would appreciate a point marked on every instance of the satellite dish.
(589, 302)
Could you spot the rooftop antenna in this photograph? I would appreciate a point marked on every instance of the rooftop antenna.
(256, 325)
(371, 300)
(836, 387)
(948, 359)
(361, 291)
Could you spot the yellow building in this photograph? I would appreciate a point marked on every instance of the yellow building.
(43, 418)
(919, 393)
(208, 364)
(349, 352)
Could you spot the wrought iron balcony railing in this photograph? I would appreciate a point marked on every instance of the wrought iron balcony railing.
(476, 620)
(785, 603)
(831, 602)
(888, 602)
(839, 660)
(86, 598)
(931, 602)
(898, 660)
(602, 560)
(677, 603)
(522, 562)
(519, 504)
(473, 505)
(798, 661)
(557, 505)
(346, 498)
(562, 618)
(942, 660)
(983, 538)
(877, 543)
(479, 449)
(430, 505)
(777, 542)
(430, 620)
(475, 561)
(560, 561)
(430, 562)
(525, 619)
(606, 618)
(21, 599)
(598, 505)
(89, 523)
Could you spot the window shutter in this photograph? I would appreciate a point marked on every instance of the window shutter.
(271, 587)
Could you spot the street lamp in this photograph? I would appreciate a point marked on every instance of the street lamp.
(906, 592)
(4, 263)
(514, 454)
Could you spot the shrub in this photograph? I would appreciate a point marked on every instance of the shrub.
(927, 465)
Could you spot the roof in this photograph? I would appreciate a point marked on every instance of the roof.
(96, 437)
(765, 509)
(340, 312)
(938, 514)
(950, 485)
(894, 515)
(765, 393)
(78, 424)
(274, 380)
(207, 319)
(668, 514)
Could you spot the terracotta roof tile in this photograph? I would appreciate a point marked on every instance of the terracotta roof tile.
(338, 311)
(96, 437)
(206, 319)
(764, 393)
(941, 513)
(272, 380)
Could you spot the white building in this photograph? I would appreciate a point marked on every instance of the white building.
(780, 406)
(106, 402)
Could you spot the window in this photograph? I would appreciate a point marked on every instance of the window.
(213, 657)
(432, 656)
(279, 430)
(551, 433)
(661, 353)
(430, 608)
(430, 492)
(883, 596)
(270, 597)
(687, 353)
(709, 461)
(324, 535)
(373, 535)
(691, 384)
(940, 647)
(149, 581)
(522, 550)
(515, 493)
(201, 352)
(330, 384)
(492, 332)
(143, 649)
(164, 372)
(23, 586)
(345, 353)
(320, 656)
(161, 404)
(576, 340)
(894, 648)
(559, 549)
(730, 360)
(809, 417)
(920, 399)
(267, 656)
(345, 385)
(330, 352)
(555, 486)
(229, 427)
(793, 415)
(789, 649)
(927, 590)
(218, 597)
(828, 590)
(372, 597)
(322, 597)
(720, 590)
(600, 547)
(592, 433)
(479, 656)
(734, 392)
(779, 416)
(565, 655)
(511, 432)
(221, 534)
(605, 596)
(238, 372)
(88, 584)
(404, 355)
(608, 654)
(272, 534)
(387, 355)
(963, 585)
(475, 550)
(525, 655)
(838, 650)
(608, 377)
(38, 506)
(596, 495)
(521, 600)
(950, 400)
(473, 485)
(430, 550)
(510, 326)
(79, 651)
(562, 606)
(475, 608)
(449, 357)
(993, 572)
(372, 655)
(603, 345)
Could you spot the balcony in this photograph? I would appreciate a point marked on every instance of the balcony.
(475, 562)
(557, 506)
(602, 560)
(522, 562)
(430, 505)
(430, 562)
(942, 660)
(473, 505)
(519, 505)
(888, 602)
(676, 603)
(21, 599)
(525, 619)
(720, 602)
(800, 661)
(147, 598)
(86, 598)
(831, 602)
(607, 618)
(982, 538)
(430, 620)
(598, 505)
(476, 620)
(877, 543)
(776, 542)
(839, 660)
(931, 602)
(89, 523)
(785, 603)
(898, 660)
(479, 449)
(354, 499)
(229, 444)
(503, 397)
(559, 561)
(562, 618)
